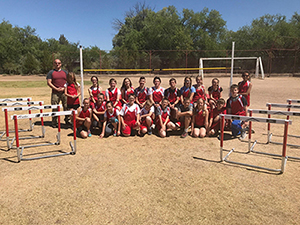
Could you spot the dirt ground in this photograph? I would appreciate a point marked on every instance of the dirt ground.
(151, 180)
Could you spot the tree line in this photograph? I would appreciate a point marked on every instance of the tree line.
(142, 29)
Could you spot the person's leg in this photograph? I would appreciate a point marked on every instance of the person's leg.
(236, 127)
(54, 101)
(109, 130)
(202, 133)
(171, 126)
(196, 132)
(162, 133)
(63, 99)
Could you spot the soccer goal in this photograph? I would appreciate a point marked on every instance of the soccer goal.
(258, 65)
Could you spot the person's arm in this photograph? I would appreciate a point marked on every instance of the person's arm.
(95, 115)
(123, 96)
(119, 124)
(206, 119)
(66, 92)
(49, 83)
(192, 124)
(103, 128)
(166, 121)
(117, 100)
(248, 90)
(78, 91)
(77, 115)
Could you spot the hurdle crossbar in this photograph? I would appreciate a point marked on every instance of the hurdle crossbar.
(29, 108)
(15, 99)
(251, 119)
(289, 107)
(20, 103)
(20, 149)
(293, 101)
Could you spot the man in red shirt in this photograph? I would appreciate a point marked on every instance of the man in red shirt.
(56, 80)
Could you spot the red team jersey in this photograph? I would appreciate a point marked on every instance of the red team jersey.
(141, 94)
(95, 91)
(108, 116)
(127, 93)
(172, 94)
(164, 113)
(215, 93)
(199, 93)
(237, 105)
(72, 90)
(243, 87)
(100, 108)
(199, 118)
(112, 95)
(213, 114)
(83, 114)
(157, 94)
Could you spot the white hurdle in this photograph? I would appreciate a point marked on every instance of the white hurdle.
(28, 103)
(290, 101)
(250, 148)
(41, 115)
(29, 108)
(289, 107)
(275, 112)
(20, 99)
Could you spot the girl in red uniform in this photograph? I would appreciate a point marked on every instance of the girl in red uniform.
(94, 90)
(215, 93)
(163, 122)
(72, 91)
(126, 90)
(113, 94)
(146, 118)
(83, 119)
(111, 124)
(98, 111)
(141, 93)
(245, 86)
(200, 90)
(199, 119)
(214, 118)
(130, 119)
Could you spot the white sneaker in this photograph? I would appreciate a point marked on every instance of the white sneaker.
(243, 135)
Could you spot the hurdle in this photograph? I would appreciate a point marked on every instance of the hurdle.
(289, 107)
(20, 149)
(28, 103)
(290, 101)
(20, 99)
(29, 108)
(250, 148)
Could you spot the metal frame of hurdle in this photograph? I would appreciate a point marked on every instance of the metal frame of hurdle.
(16, 99)
(250, 148)
(275, 112)
(20, 149)
(28, 103)
(289, 107)
(29, 108)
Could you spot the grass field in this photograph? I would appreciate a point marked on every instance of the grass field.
(150, 180)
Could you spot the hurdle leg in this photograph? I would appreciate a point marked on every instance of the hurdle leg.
(42, 123)
(6, 128)
(73, 147)
(269, 127)
(17, 138)
(222, 137)
(58, 133)
(284, 157)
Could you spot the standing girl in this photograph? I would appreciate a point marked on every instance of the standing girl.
(187, 91)
(94, 90)
(245, 86)
(199, 120)
(215, 93)
(113, 94)
(72, 91)
(126, 90)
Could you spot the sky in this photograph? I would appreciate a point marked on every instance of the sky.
(89, 22)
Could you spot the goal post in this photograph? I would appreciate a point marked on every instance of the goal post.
(258, 67)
